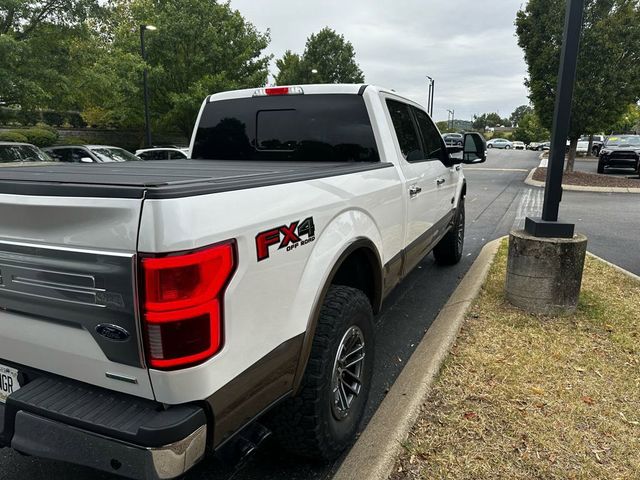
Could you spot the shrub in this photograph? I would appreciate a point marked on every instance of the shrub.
(11, 136)
(51, 117)
(40, 137)
(27, 117)
(75, 120)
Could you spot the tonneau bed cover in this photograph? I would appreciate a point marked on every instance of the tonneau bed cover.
(166, 178)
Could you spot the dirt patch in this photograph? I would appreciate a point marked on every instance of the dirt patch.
(535, 397)
(589, 179)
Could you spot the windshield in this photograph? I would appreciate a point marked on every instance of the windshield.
(329, 127)
(113, 154)
(624, 141)
(22, 153)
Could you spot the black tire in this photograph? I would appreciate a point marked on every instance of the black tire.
(489, 145)
(507, 147)
(308, 425)
(448, 251)
(600, 166)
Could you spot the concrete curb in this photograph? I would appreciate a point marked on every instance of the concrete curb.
(375, 452)
(579, 188)
(616, 267)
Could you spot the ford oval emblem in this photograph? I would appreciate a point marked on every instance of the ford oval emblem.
(112, 332)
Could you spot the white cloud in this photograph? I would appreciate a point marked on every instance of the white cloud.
(468, 46)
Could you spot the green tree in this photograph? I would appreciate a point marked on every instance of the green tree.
(444, 126)
(289, 69)
(37, 44)
(480, 122)
(629, 122)
(196, 51)
(327, 58)
(518, 113)
(530, 129)
(608, 74)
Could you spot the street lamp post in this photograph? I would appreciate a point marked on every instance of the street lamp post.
(145, 87)
(453, 118)
(548, 225)
(432, 86)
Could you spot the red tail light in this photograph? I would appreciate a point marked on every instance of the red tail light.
(182, 305)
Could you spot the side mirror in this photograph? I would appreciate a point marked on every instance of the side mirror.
(475, 148)
(86, 160)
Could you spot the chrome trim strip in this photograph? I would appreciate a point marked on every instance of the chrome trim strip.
(67, 249)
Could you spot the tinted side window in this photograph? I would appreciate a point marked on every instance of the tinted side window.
(173, 155)
(406, 131)
(154, 155)
(77, 154)
(430, 135)
(62, 154)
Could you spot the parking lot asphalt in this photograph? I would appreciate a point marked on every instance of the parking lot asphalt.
(497, 201)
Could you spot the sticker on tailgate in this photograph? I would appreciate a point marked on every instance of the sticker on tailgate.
(8, 382)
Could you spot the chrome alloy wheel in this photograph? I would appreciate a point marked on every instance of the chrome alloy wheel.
(348, 368)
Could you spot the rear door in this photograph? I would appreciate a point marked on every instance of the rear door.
(421, 174)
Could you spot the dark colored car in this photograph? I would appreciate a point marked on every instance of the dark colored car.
(11, 152)
(621, 151)
(453, 139)
(90, 154)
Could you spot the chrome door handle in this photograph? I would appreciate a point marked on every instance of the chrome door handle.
(414, 190)
(440, 181)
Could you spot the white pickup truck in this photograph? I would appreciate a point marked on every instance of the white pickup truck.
(152, 312)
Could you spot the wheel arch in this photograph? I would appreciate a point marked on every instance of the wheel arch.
(359, 265)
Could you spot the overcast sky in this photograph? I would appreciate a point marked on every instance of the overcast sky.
(468, 46)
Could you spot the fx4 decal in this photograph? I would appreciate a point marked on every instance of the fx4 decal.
(287, 236)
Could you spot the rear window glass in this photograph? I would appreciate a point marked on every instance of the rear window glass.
(290, 127)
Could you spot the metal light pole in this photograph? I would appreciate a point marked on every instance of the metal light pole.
(453, 117)
(548, 225)
(432, 85)
(145, 87)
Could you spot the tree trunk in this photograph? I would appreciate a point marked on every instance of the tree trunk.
(571, 156)
(590, 147)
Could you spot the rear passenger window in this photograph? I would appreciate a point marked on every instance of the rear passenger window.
(406, 132)
(430, 135)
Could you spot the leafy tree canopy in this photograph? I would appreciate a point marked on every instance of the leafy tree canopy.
(530, 129)
(608, 73)
(518, 113)
(480, 122)
(327, 58)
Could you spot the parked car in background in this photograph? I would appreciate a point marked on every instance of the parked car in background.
(537, 146)
(453, 139)
(518, 145)
(12, 153)
(620, 151)
(90, 154)
(500, 143)
(163, 153)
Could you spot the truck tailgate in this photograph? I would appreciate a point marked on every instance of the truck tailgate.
(67, 289)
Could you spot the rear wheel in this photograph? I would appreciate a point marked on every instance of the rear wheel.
(489, 145)
(448, 251)
(322, 419)
(507, 147)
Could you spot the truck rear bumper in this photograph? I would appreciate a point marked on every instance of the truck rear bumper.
(72, 422)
